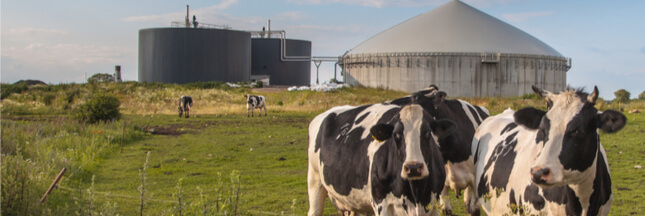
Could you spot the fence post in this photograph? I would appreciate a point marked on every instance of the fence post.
(122, 135)
(51, 187)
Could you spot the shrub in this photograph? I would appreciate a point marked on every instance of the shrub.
(100, 78)
(100, 107)
(8, 89)
(48, 98)
(622, 95)
(641, 95)
(259, 84)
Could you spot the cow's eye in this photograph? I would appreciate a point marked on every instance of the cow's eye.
(397, 136)
(428, 135)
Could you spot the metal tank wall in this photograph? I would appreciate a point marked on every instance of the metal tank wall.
(265, 60)
(458, 74)
(185, 55)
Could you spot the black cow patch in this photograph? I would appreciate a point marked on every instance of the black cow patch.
(564, 195)
(532, 196)
(508, 128)
(482, 187)
(361, 118)
(543, 131)
(504, 157)
(580, 142)
(601, 186)
(336, 156)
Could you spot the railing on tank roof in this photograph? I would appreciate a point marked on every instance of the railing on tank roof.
(199, 25)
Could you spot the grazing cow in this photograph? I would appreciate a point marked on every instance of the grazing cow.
(381, 159)
(534, 162)
(455, 149)
(255, 102)
(185, 102)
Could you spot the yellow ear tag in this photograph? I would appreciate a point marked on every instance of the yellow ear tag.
(376, 139)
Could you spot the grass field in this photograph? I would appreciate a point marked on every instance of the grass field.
(217, 161)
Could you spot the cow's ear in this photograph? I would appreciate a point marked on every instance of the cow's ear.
(381, 132)
(438, 98)
(611, 121)
(529, 117)
(443, 128)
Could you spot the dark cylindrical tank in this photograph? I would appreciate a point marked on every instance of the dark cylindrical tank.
(185, 55)
(265, 58)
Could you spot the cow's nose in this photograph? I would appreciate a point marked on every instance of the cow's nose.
(413, 169)
(540, 175)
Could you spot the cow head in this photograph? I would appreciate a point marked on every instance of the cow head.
(429, 99)
(568, 134)
(415, 134)
(249, 99)
(181, 111)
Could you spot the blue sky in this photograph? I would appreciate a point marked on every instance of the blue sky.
(64, 41)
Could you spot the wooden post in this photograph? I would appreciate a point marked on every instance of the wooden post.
(122, 135)
(51, 187)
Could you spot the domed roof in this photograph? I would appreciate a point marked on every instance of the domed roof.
(454, 27)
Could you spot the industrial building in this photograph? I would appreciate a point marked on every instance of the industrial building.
(192, 52)
(464, 51)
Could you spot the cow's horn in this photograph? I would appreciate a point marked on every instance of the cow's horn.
(594, 95)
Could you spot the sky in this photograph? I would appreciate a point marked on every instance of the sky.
(67, 41)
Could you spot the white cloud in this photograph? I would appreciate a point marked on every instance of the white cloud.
(295, 15)
(178, 16)
(34, 31)
(224, 4)
(521, 17)
(398, 3)
(372, 3)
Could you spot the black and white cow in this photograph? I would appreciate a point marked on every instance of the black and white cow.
(381, 159)
(255, 102)
(534, 162)
(455, 149)
(185, 102)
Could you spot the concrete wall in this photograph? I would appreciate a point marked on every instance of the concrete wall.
(185, 55)
(458, 74)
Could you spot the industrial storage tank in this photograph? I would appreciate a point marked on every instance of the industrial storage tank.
(185, 55)
(464, 51)
(274, 57)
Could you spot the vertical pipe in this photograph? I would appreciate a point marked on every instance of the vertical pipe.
(269, 28)
(187, 19)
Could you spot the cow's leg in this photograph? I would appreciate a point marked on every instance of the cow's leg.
(317, 193)
(187, 112)
(265, 110)
(471, 200)
(444, 199)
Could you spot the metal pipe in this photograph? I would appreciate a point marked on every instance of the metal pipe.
(187, 19)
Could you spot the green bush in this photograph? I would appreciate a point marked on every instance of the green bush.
(100, 107)
(641, 95)
(622, 95)
(206, 85)
(8, 89)
(259, 84)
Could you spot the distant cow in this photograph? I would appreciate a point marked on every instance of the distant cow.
(255, 102)
(455, 148)
(535, 162)
(185, 102)
(381, 159)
